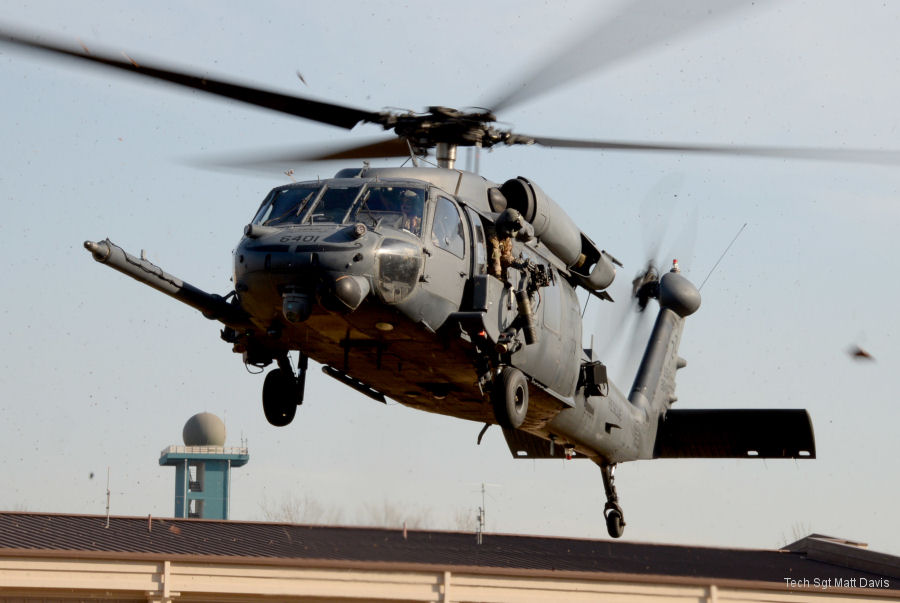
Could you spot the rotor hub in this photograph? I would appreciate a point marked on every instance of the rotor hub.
(444, 125)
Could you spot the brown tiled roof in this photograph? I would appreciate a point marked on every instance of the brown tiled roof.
(242, 542)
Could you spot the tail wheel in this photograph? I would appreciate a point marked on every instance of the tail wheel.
(279, 397)
(510, 398)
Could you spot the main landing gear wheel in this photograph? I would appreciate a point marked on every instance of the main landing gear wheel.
(615, 523)
(615, 519)
(279, 397)
(283, 391)
(509, 397)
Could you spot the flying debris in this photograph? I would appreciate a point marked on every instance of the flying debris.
(857, 353)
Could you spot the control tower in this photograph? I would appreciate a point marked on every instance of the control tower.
(203, 468)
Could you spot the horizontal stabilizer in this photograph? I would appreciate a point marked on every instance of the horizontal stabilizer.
(764, 434)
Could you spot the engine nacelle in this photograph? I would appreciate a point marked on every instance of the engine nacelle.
(552, 225)
(554, 228)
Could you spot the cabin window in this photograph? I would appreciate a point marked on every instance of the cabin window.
(552, 303)
(447, 228)
(480, 255)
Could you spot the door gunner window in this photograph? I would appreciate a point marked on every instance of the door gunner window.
(446, 232)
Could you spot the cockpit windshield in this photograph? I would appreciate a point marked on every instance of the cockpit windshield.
(334, 205)
(395, 206)
(373, 204)
(285, 205)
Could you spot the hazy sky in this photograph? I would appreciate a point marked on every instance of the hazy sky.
(99, 371)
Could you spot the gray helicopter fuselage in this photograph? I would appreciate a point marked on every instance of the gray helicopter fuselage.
(405, 328)
(412, 284)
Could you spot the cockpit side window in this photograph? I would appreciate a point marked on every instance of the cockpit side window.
(286, 205)
(447, 229)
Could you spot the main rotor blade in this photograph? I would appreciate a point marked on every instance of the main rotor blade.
(373, 149)
(639, 26)
(328, 113)
(866, 156)
(390, 147)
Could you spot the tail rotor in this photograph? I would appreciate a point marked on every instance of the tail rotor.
(631, 326)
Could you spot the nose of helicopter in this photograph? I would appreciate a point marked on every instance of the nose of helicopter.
(311, 268)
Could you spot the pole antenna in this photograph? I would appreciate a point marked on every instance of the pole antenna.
(482, 513)
(107, 496)
(740, 230)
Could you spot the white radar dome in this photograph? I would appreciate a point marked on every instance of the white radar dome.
(204, 429)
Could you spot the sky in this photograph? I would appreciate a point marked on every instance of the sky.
(100, 373)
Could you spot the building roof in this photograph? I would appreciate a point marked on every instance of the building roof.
(38, 534)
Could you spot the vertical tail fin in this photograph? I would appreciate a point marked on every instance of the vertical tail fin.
(654, 384)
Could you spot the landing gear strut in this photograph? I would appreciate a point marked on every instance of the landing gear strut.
(615, 519)
(283, 391)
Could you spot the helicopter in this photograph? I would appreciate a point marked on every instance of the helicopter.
(463, 304)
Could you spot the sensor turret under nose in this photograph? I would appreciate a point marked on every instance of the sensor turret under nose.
(296, 306)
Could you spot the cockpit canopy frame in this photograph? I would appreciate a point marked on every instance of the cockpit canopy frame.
(346, 201)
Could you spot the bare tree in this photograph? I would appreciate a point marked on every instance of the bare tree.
(305, 509)
(300, 509)
(799, 531)
(465, 519)
(393, 515)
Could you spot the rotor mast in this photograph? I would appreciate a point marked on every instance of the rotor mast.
(445, 153)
